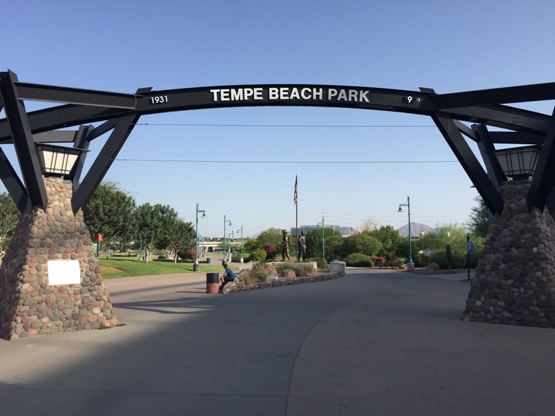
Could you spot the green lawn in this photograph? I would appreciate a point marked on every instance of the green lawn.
(115, 267)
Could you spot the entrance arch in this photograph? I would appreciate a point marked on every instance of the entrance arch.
(120, 112)
(458, 116)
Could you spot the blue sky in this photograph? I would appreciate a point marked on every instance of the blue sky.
(446, 45)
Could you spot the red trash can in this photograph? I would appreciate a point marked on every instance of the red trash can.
(212, 282)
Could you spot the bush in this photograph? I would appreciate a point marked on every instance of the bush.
(257, 273)
(359, 260)
(270, 250)
(378, 261)
(187, 254)
(458, 259)
(283, 269)
(322, 264)
(258, 255)
(300, 270)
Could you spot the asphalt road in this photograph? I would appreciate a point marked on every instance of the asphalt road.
(375, 342)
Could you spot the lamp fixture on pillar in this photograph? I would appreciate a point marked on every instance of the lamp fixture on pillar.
(57, 160)
(518, 163)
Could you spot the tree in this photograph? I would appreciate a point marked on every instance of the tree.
(332, 244)
(270, 236)
(391, 243)
(369, 225)
(363, 243)
(479, 220)
(153, 225)
(452, 234)
(9, 218)
(110, 212)
(250, 244)
(178, 236)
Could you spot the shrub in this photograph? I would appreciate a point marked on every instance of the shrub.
(304, 270)
(378, 261)
(270, 250)
(258, 255)
(187, 254)
(283, 269)
(236, 257)
(322, 264)
(257, 273)
(359, 260)
(300, 270)
(458, 259)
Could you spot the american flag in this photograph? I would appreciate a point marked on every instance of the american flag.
(296, 190)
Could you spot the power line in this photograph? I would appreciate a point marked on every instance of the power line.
(363, 126)
(288, 161)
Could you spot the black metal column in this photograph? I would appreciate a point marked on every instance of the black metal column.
(469, 162)
(544, 178)
(13, 184)
(105, 158)
(23, 140)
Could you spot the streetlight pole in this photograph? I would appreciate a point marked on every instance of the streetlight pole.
(226, 221)
(323, 238)
(196, 266)
(241, 249)
(232, 244)
(410, 264)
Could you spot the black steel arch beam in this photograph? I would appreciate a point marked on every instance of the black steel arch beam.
(470, 164)
(515, 137)
(519, 94)
(543, 181)
(13, 184)
(23, 140)
(502, 116)
(487, 149)
(81, 142)
(104, 160)
(468, 161)
(76, 96)
(202, 98)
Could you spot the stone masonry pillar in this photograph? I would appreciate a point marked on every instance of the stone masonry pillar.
(29, 304)
(515, 277)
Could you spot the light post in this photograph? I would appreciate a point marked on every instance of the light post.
(241, 249)
(232, 234)
(323, 223)
(196, 266)
(226, 223)
(410, 264)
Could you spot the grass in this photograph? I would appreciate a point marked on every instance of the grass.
(116, 267)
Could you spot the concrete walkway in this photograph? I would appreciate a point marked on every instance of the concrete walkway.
(375, 342)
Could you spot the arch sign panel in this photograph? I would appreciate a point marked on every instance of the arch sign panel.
(283, 95)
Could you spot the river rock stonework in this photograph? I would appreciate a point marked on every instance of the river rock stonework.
(29, 306)
(514, 282)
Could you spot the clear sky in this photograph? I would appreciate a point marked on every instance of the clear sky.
(123, 45)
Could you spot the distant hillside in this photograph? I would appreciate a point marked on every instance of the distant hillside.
(415, 229)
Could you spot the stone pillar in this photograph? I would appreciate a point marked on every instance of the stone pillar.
(29, 304)
(514, 282)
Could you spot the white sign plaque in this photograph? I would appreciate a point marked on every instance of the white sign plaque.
(63, 272)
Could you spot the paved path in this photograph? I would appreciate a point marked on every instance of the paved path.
(370, 343)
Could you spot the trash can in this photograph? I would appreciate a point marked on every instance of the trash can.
(212, 282)
(208, 260)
